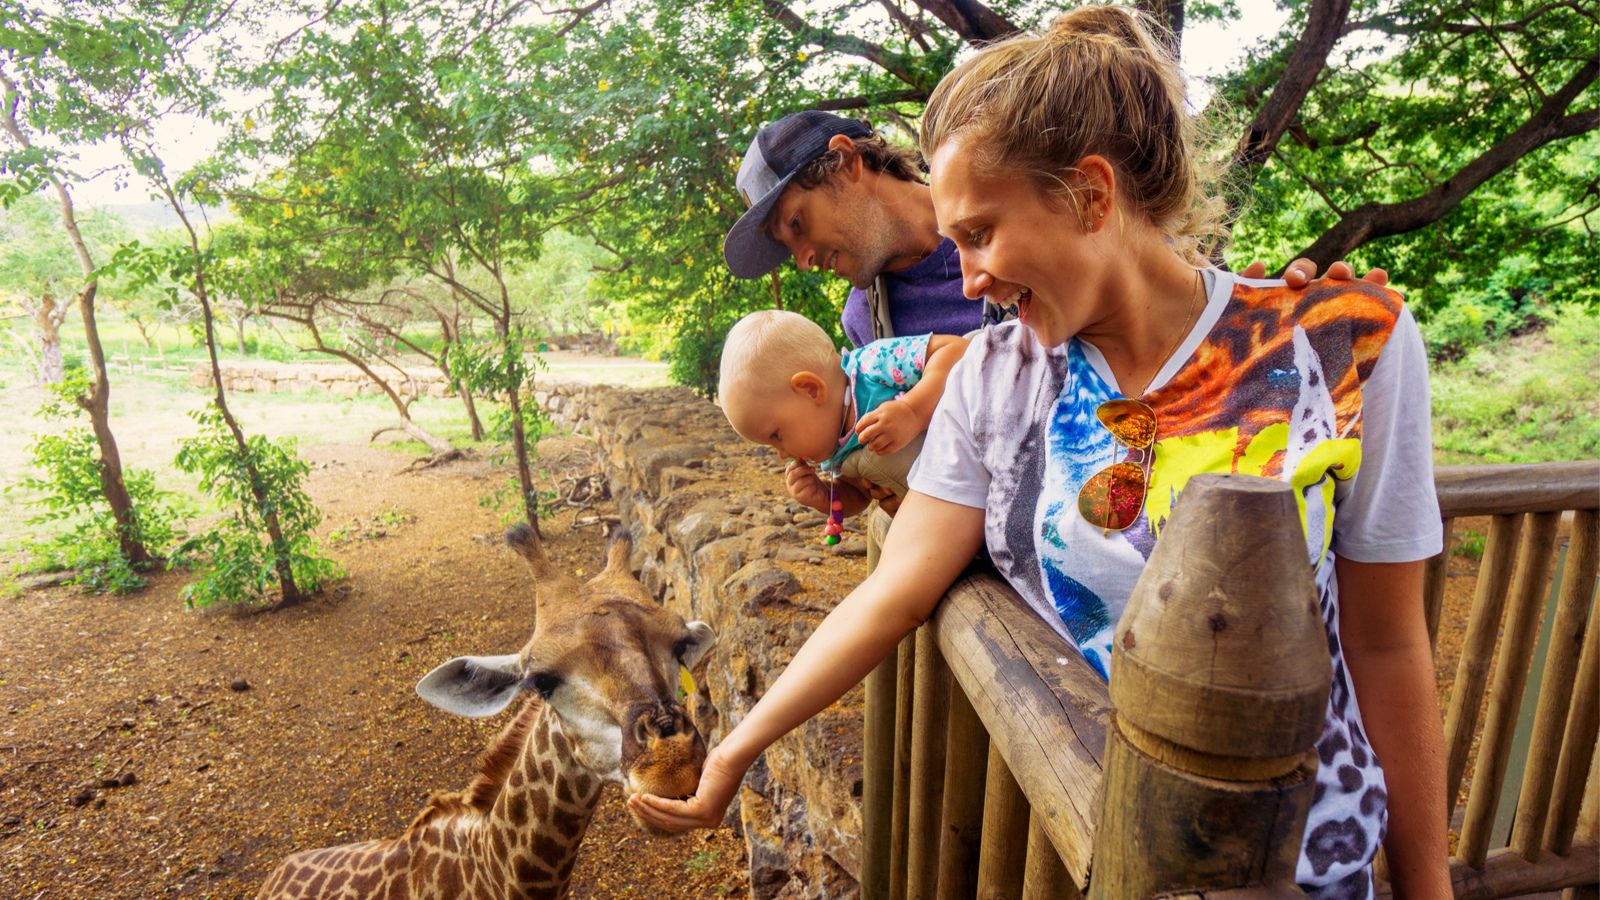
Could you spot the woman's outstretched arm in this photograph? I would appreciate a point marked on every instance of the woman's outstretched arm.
(929, 544)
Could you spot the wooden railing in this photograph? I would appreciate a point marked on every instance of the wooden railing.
(987, 735)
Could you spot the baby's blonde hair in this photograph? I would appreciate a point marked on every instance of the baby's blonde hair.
(1101, 81)
(767, 348)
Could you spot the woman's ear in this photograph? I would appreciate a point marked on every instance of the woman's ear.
(1095, 184)
(810, 386)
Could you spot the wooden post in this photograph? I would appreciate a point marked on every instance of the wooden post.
(900, 827)
(1578, 741)
(1046, 877)
(1558, 686)
(1004, 852)
(1477, 649)
(877, 777)
(1220, 680)
(929, 723)
(1433, 583)
(961, 826)
(1521, 627)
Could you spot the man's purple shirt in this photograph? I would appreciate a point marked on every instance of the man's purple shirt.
(924, 299)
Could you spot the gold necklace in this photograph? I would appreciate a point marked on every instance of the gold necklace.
(1199, 283)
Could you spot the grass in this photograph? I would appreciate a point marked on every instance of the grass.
(1530, 398)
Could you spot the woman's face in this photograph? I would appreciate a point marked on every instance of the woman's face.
(1015, 247)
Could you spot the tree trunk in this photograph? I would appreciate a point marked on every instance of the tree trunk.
(238, 333)
(144, 332)
(519, 443)
(47, 318)
(291, 593)
(98, 401)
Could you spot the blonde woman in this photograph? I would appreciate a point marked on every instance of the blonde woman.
(1062, 166)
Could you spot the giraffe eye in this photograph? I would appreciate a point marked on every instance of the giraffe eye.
(546, 683)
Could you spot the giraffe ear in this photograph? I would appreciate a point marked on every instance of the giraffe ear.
(695, 643)
(473, 686)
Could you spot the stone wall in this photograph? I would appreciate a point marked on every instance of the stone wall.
(339, 379)
(717, 539)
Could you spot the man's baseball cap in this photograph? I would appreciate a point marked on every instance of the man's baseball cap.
(779, 150)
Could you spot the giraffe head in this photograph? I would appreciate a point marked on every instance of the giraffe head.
(606, 658)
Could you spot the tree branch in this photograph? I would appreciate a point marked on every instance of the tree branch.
(1323, 25)
(1371, 221)
(906, 96)
(893, 63)
(972, 21)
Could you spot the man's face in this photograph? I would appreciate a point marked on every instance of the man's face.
(837, 227)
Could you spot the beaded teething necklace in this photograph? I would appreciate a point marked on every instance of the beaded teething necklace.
(835, 526)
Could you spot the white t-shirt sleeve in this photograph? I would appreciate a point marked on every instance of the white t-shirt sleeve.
(1389, 511)
(951, 466)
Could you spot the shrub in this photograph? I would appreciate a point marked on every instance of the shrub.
(68, 493)
(238, 561)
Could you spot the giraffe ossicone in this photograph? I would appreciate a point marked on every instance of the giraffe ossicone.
(600, 680)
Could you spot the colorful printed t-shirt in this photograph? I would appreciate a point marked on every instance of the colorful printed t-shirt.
(1324, 388)
(878, 373)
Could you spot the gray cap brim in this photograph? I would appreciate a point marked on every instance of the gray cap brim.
(750, 250)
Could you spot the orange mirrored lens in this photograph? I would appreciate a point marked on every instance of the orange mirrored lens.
(1132, 422)
(1113, 497)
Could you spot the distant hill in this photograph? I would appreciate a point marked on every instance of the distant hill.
(156, 216)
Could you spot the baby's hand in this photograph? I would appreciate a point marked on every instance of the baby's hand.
(805, 486)
(889, 427)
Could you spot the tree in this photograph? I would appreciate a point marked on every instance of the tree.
(1432, 135)
(51, 53)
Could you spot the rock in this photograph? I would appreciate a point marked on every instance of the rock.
(792, 554)
(760, 583)
(697, 529)
(239, 684)
(850, 546)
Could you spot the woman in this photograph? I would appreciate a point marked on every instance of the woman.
(1062, 167)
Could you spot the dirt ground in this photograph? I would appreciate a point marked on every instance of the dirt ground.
(327, 744)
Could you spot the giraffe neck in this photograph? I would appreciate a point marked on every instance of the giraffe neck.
(536, 826)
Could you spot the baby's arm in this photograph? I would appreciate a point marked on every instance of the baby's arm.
(894, 424)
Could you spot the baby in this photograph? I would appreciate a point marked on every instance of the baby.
(784, 385)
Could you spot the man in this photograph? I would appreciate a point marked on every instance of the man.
(836, 196)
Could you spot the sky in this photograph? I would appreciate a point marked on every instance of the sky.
(1208, 50)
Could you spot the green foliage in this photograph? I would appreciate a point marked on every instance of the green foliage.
(67, 494)
(1469, 544)
(239, 565)
(1528, 399)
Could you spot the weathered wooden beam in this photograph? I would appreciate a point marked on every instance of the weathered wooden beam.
(1045, 709)
(1577, 747)
(1220, 683)
(1506, 874)
(1517, 488)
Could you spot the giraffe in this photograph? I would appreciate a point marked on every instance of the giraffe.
(604, 668)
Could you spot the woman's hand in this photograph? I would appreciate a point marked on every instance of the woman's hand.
(890, 427)
(1303, 271)
(719, 781)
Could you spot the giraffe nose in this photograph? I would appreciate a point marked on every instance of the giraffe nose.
(660, 721)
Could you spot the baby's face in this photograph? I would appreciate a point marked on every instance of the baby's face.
(797, 423)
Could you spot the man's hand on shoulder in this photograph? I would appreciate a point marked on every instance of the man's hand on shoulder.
(1303, 271)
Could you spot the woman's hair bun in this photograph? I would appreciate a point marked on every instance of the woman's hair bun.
(1123, 25)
